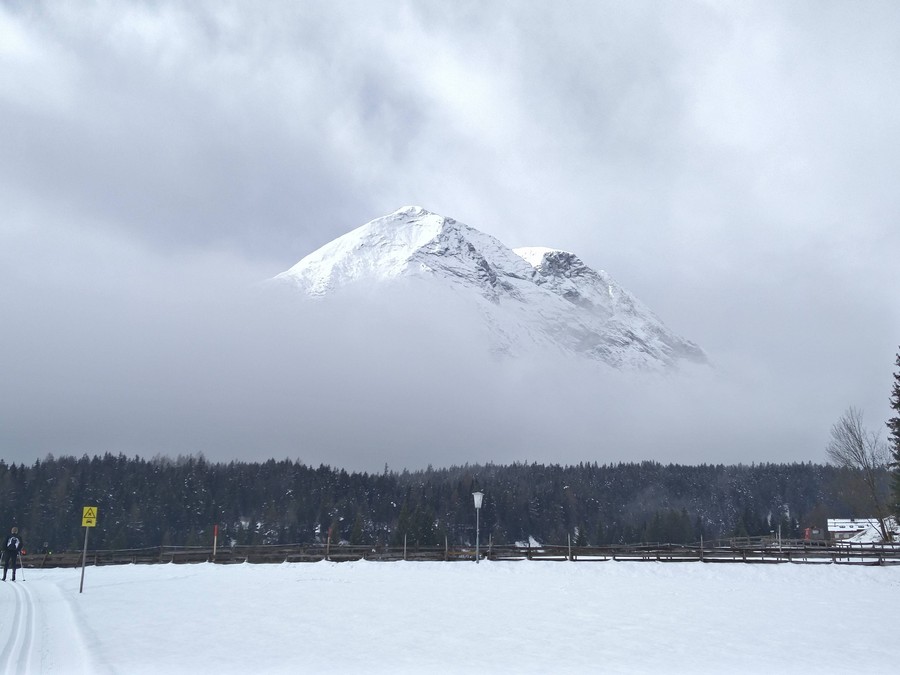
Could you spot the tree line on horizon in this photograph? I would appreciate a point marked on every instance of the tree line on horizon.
(145, 503)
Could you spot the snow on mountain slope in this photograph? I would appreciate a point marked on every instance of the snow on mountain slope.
(524, 298)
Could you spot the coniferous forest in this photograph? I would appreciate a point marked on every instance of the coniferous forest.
(145, 503)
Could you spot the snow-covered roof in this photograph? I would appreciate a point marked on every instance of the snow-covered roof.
(864, 530)
(851, 524)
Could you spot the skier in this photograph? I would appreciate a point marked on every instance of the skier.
(11, 552)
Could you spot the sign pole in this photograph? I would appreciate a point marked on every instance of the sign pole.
(88, 520)
(84, 558)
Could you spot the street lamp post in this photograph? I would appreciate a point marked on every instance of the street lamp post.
(478, 497)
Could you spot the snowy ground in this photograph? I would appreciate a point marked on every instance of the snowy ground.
(515, 617)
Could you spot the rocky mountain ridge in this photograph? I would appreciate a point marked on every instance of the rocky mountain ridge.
(526, 298)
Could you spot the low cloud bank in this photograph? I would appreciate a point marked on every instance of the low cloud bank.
(358, 382)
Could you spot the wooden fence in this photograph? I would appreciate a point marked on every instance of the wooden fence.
(745, 550)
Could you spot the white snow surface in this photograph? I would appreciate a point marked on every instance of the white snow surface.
(459, 617)
(872, 534)
(525, 298)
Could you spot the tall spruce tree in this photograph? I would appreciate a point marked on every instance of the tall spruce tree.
(894, 435)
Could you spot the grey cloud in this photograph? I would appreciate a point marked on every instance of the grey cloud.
(734, 166)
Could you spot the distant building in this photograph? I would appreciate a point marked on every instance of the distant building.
(845, 528)
(862, 530)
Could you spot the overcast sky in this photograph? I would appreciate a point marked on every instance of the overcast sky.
(734, 165)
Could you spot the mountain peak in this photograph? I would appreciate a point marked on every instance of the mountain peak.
(413, 211)
(380, 249)
(526, 297)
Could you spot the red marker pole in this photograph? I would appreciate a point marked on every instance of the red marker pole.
(215, 540)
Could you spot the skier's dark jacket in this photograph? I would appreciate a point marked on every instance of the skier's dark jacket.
(13, 546)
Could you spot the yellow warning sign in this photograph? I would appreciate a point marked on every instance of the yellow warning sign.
(89, 516)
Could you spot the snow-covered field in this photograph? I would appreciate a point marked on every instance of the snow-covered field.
(501, 617)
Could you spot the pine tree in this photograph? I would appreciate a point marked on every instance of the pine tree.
(581, 536)
(356, 534)
(600, 536)
(894, 435)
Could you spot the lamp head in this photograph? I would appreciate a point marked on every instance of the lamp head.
(478, 496)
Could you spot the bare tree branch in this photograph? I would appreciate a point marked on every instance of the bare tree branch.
(854, 447)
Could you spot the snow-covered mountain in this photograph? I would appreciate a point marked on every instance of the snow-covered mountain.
(522, 298)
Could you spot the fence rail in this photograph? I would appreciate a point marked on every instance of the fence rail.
(744, 550)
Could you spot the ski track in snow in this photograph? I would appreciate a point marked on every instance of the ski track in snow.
(18, 632)
(38, 629)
